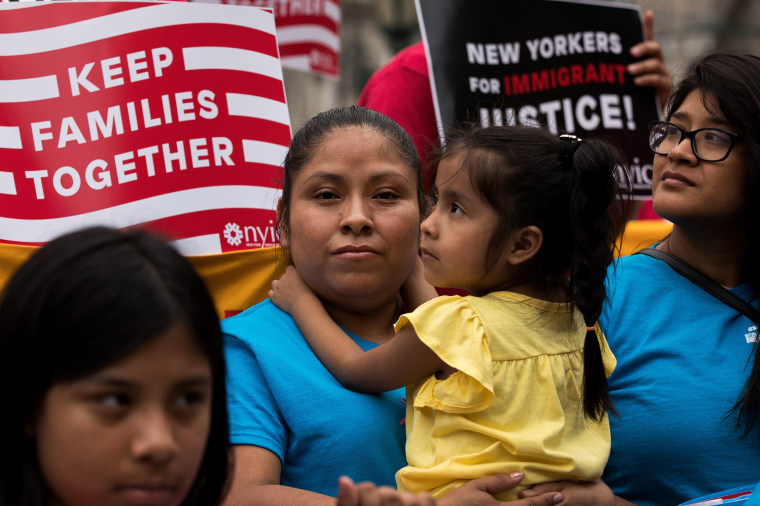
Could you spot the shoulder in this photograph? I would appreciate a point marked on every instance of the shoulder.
(442, 312)
(444, 304)
(256, 320)
(631, 269)
(262, 309)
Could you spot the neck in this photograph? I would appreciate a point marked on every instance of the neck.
(720, 255)
(374, 324)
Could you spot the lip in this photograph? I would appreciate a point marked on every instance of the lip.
(672, 178)
(427, 255)
(149, 494)
(355, 251)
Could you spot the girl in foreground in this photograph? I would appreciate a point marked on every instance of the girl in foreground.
(513, 377)
(112, 371)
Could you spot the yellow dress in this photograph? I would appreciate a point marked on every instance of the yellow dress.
(514, 403)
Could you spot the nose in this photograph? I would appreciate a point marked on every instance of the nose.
(684, 152)
(428, 226)
(154, 440)
(357, 217)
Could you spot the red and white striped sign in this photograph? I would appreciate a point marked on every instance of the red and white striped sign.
(167, 115)
(308, 32)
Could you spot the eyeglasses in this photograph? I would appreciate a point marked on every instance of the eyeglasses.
(707, 144)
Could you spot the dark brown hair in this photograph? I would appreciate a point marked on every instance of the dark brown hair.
(564, 187)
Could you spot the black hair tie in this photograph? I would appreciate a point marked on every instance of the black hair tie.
(571, 146)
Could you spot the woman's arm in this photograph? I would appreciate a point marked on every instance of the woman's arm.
(256, 481)
(394, 364)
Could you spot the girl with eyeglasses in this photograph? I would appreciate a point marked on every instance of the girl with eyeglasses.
(687, 383)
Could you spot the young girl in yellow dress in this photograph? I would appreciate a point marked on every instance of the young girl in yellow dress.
(512, 377)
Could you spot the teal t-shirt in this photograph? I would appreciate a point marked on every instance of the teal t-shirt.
(281, 398)
(754, 499)
(683, 358)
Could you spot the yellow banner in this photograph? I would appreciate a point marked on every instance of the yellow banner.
(641, 234)
(236, 280)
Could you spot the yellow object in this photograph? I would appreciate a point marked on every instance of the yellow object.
(514, 402)
(236, 279)
(640, 234)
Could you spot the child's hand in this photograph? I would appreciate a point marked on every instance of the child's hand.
(289, 289)
(367, 493)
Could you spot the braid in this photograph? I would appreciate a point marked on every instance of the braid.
(593, 190)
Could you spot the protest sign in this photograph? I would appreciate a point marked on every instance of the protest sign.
(170, 116)
(552, 63)
(308, 33)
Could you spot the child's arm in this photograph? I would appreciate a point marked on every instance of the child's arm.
(416, 290)
(397, 363)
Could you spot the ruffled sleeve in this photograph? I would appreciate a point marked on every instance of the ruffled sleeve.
(452, 328)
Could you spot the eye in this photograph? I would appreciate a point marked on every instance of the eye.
(716, 137)
(190, 401)
(672, 131)
(325, 195)
(456, 209)
(112, 404)
(387, 195)
(433, 200)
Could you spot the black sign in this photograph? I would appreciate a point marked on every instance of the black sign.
(552, 63)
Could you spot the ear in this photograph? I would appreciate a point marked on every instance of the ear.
(284, 239)
(523, 244)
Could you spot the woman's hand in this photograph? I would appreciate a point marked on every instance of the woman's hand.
(287, 291)
(369, 494)
(481, 492)
(594, 493)
(651, 69)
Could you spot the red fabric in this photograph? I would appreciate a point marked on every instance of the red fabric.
(646, 211)
(401, 91)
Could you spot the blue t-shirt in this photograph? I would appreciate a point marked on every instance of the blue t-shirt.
(754, 499)
(683, 358)
(281, 398)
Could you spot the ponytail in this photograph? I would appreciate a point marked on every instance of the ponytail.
(591, 167)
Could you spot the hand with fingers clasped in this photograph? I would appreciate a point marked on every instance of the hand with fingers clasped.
(478, 492)
(593, 493)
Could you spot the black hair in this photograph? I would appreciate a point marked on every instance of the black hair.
(729, 82)
(84, 301)
(311, 136)
(565, 187)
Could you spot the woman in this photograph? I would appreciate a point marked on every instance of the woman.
(349, 216)
(112, 371)
(687, 383)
